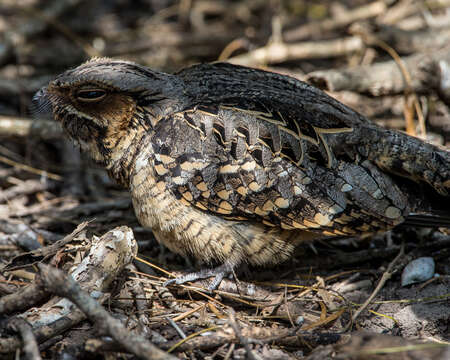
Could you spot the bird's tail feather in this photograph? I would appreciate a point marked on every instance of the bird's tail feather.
(436, 219)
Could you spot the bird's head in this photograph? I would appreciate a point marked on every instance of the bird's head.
(102, 101)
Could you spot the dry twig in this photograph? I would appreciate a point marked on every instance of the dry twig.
(58, 283)
(30, 346)
(107, 257)
(350, 16)
(384, 278)
(277, 52)
(383, 78)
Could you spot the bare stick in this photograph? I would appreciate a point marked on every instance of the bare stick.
(24, 188)
(24, 298)
(30, 346)
(38, 254)
(406, 42)
(23, 127)
(277, 52)
(243, 340)
(383, 78)
(45, 332)
(59, 283)
(365, 11)
(107, 257)
(384, 278)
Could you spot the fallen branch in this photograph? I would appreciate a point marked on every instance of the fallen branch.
(32, 257)
(277, 336)
(20, 234)
(28, 168)
(345, 18)
(277, 52)
(25, 127)
(384, 278)
(24, 298)
(30, 346)
(26, 187)
(368, 345)
(107, 257)
(383, 78)
(405, 42)
(58, 283)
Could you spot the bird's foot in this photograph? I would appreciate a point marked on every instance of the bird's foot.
(219, 273)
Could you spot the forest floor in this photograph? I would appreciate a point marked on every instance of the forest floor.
(342, 299)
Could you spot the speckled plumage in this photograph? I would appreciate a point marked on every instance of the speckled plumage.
(231, 164)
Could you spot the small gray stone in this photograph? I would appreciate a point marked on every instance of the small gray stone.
(419, 270)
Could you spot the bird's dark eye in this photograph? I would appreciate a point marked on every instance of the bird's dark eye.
(91, 95)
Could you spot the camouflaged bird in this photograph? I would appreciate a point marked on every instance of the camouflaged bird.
(231, 164)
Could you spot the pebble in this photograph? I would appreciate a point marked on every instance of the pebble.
(418, 270)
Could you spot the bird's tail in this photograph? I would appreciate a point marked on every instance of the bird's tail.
(412, 158)
(436, 219)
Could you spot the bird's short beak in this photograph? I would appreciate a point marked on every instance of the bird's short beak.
(41, 106)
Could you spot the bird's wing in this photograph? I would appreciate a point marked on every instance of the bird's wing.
(279, 99)
(324, 125)
(241, 164)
